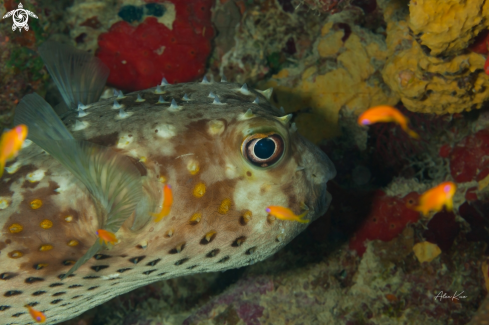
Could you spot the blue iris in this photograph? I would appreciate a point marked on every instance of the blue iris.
(264, 148)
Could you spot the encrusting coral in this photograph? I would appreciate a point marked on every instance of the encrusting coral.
(431, 71)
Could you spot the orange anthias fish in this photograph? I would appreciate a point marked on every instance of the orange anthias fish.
(10, 144)
(384, 114)
(107, 237)
(167, 202)
(38, 316)
(434, 199)
(286, 214)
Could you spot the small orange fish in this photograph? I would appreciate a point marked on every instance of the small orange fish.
(10, 144)
(167, 202)
(434, 199)
(38, 316)
(384, 113)
(286, 214)
(107, 237)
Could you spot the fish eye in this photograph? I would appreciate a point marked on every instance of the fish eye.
(263, 150)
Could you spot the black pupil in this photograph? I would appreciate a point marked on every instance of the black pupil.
(264, 148)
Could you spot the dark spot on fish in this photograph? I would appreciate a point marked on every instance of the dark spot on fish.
(75, 297)
(213, 253)
(149, 272)
(33, 279)
(62, 276)
(250, 250)
(224, 259)
(123, 270)
(8, 276)
(248, 173)
(66, 304)
(59, 293)
(91, 277)
(56, 284)
(8, 241)
(75, 286)
(129, 135)
(101, 256)
(106, 140)
(153, 263)
(180, 262)
(18, 314)
(54, 302)
(92, 288)
(4, 307)
(33, 304)
(68, 262)
(192, 267)
(98, 268)
(137, 259)
(238, 241)
(162, 274)
(113, 284)
(38, 293)
(39, 266)
(12, 293)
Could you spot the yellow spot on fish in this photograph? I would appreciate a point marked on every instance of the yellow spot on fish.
(142, 159)
(224, 207)
(247, 216)
(193, 167)
(163, 179)
(215, 127)
(15, 228)
(195, 219)
(35, 176)
(199, 190)
(73, 243)
(4, 204)
(36, 204)
(210, 235)
(45, 248)
(169, 233)
(69, 218)
(46, 224)
(15, 254)
(69, 262)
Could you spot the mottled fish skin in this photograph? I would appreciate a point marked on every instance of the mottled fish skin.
(217, 221)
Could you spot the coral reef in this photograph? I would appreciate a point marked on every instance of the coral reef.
(429, 67)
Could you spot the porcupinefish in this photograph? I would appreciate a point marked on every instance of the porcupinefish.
(224, 150)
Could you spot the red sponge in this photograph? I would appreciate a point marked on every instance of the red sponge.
(470, 157)
(387, 219)
(139, 57)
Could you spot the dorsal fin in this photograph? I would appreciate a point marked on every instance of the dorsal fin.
(79, 76)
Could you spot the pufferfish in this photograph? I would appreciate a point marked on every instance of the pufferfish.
(222, 148)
